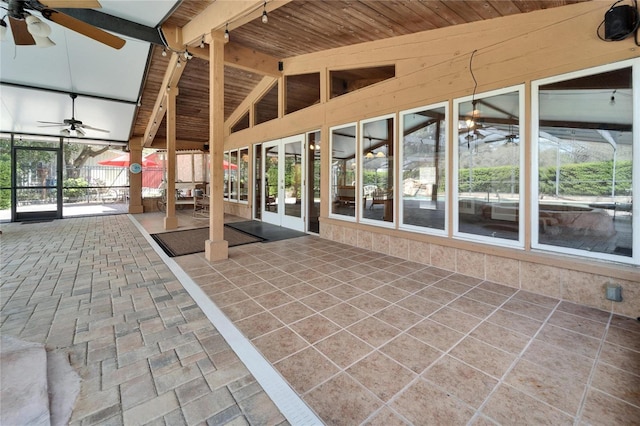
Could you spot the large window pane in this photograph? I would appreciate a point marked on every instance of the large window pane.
(243, 169)
(343, 171)
(585, 162)
(376, 157)
(488, 168)
(424, 139)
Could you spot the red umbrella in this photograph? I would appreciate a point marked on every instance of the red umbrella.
(226, 165)
(123, 161)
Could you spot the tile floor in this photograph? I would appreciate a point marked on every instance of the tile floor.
(366, 338)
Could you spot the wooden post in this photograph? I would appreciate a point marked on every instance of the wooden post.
(216, 248)
(135, 179)
(170, 220)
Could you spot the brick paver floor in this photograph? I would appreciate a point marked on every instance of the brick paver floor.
(147, 354)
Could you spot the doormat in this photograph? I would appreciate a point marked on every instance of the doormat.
(266, 231)
(189, 241)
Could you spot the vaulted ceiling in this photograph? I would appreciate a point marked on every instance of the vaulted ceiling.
(294, 28)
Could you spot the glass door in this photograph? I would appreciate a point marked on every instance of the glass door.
(37, 173)
(283, 179)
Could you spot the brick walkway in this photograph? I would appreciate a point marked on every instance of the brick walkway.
(146, 352)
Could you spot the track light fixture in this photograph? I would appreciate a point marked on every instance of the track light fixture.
(226, 32)
(265, 18)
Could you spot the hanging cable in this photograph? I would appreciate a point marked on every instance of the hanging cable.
(473, 99)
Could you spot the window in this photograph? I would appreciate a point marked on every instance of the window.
(231, 175)
(347, 81)
(241, 124)
(377, 178)
(301, 91)
(585, 170)
(266, 108)
(423, 168)
(487, 159)
(343, 171)
(243, 177)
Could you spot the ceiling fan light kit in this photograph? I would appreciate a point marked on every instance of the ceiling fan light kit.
(29, 30)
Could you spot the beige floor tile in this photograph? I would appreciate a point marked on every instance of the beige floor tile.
(381, 375)
(618, 383)
(490, 360)
(457, 378)
(419, 305)
(344, 348)
(314, 328)
(279, 344)
(320, 301)
(411, 352)
(584, 311)
(578, 324)
(241, 310)
(472, 307)
(562, 391)
(258, 325)
(342, 401)
(273, 299)
(436, 335)
(386, 417)
(292, 312)
(557, 359)
(306, 369)
(500, 337)
(620, 357)
(527, 309)
(570, 341)
(602, 409)
(369, 303)
(455, 319)
(373, 331)
(437, 295)
(424, 404)
(515, 322)
(344, 314)
(398, 317)
(510, 406)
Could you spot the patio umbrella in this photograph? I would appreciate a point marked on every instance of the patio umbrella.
(226, 165)
(123, 161)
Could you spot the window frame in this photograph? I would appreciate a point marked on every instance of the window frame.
(332, 184)
(635, 173)
(360, 147)
(518, 243)
(447, 153)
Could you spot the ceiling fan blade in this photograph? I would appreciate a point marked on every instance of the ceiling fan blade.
(52, 122)
(69, 4)
(84, 126)
(53, 125)
(83, 28)
(21, 35)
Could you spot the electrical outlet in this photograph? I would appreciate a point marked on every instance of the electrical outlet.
(614, 292)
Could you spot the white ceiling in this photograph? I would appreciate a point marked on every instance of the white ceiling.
(108, 81)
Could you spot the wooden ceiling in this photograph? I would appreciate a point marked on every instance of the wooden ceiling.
(300, 27)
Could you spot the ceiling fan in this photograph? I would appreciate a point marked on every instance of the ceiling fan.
(28, 29)
(76, 127)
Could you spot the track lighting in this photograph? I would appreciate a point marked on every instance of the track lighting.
(265, 18)
(226, 32)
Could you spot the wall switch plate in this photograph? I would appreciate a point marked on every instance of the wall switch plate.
(614, 292)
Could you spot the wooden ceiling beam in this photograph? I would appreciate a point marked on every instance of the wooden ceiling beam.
(171, 77)
(238, 56)
(220, 13)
